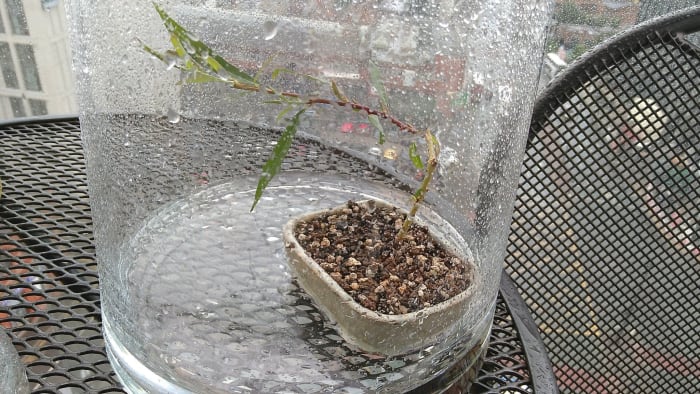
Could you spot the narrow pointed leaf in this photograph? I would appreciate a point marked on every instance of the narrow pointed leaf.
(276, 72)
(200, 77)
(375, 78)
(338, 94)
(153, 52)
(374, 120)
(433, 146)
(415, 157)
(418, 194)
(312, 78)
(213, 64)
(199, 52)
(179, 49)
(274, 163)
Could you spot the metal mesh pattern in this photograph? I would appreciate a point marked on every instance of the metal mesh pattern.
(505, 366)
(605, 243)
(49, 302)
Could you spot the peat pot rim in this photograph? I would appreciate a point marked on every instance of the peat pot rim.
(293, 246)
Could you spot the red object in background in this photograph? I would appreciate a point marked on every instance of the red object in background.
(21, 289)
(626, 138)
(350, 127)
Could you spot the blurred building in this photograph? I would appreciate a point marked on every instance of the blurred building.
(581, 24)
(34, 59)
(652, 8)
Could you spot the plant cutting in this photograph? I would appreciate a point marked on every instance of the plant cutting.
(388, 282)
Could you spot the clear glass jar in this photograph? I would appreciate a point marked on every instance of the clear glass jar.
(197, 294)
(12, 372)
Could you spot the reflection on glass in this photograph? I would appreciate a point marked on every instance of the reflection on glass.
(27, 63)
(8, 68)
(38, 107)
(18, 21)
(17, 107)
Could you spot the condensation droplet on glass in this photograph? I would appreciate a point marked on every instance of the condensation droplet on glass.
(136, 43)
(270, 28)
(173, 115)
(172, 61)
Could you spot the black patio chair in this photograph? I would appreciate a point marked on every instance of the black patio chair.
(605, 241)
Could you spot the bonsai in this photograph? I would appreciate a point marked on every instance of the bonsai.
(377, 254)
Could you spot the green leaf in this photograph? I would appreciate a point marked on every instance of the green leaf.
(338, 94)
(199, 52)
(179, 49)
(213, 64)
(374, 120)
(153, 52)
(200, 77)
(433, 145)
(375, 78)
(274, 163)
(276, 72)
(415, 157)
(418, 195)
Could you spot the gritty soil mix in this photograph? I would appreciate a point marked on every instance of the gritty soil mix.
(358, 247)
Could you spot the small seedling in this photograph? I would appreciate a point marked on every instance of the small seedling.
(201, 64)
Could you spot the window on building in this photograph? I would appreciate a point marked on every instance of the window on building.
(8, 67)
(27, 62)
(47, 5)
(17, 107)
(38, 107)
(18, 21)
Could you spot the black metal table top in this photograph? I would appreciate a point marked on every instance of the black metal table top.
(49, 296)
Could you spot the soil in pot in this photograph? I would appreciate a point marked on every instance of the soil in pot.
(360, 249)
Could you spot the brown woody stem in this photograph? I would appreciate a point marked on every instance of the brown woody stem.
(403, 126)
(419, 196)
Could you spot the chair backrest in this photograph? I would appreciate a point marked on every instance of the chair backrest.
(605, 241)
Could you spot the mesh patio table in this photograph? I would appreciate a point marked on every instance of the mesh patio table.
(49, 296)
(608, 213)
